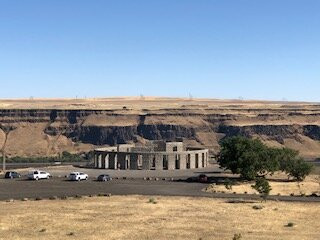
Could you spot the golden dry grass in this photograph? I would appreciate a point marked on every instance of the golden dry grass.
(310, 185)
(133, 217)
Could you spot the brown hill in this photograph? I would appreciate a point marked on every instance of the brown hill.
(37, 127)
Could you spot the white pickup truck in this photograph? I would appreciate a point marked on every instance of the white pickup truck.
(37, 174)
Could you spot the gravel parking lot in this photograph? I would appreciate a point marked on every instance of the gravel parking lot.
(61, 171)
(166, 183)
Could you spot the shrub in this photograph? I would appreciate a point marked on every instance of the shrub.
(237, 236)
(152, 200)
(228, 184)
(262, 186)
(257, 207)
(290, 224)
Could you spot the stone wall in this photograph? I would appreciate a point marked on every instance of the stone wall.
(151, 160)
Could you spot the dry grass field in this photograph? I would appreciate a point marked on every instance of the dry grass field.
(310, 185)
(134, 217)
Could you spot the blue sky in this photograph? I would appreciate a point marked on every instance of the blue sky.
(207, 48)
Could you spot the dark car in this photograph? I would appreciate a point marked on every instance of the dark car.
(104, 178)
(12, 174)
(203, 178)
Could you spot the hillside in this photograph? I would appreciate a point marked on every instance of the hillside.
(38, 127)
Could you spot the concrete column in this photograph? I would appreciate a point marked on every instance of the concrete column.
(102, 160)
(196, 160)
(159, 162)
(106, 161)
(183, 162)
(99, 160)
(121, 157)
(171, 161)
(116, 161)
(133, 161)
(95, 159)
(146, 161)
(113, 160)
(192, 161)
(127, 161)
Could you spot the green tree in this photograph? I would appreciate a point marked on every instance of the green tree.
(292, 164)
(248, 157)
(298, 168)
(251, 158)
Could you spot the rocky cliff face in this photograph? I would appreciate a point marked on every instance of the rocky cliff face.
(36, 132)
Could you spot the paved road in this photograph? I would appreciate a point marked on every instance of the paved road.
(22, 188)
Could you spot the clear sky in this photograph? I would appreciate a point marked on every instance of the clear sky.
(207, 48)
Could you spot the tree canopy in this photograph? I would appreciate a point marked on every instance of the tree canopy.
(251, 158)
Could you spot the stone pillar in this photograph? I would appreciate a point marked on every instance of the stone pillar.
(102, 160)
(183, 162)
(113, 160)
(106, 161)
(116, 161)
(192, 161)
(95, 160)
(146, 161)
(127, 161)
(159, 162)
(171, 161)
(196, 160)
(99, 160)
(121, 157)
(204, 155)
(133, 161)
(207, 159)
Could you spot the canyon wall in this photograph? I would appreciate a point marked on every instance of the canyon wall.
(47, 132)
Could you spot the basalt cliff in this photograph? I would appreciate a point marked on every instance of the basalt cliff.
(47, 127)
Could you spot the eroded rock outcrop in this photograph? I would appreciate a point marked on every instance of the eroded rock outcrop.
(38, 132)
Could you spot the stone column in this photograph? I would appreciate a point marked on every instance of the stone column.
(116, 161)
(99, 160)
(133, 161)
(171, 161)
(192, 161)
(183, 161)
(106, 161)
(95, 159)
(159, 162)
(146, 161)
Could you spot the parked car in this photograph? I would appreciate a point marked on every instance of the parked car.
(203, 178)
(78, 176)
(12, 174)
(104, 178)
(37, 175)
